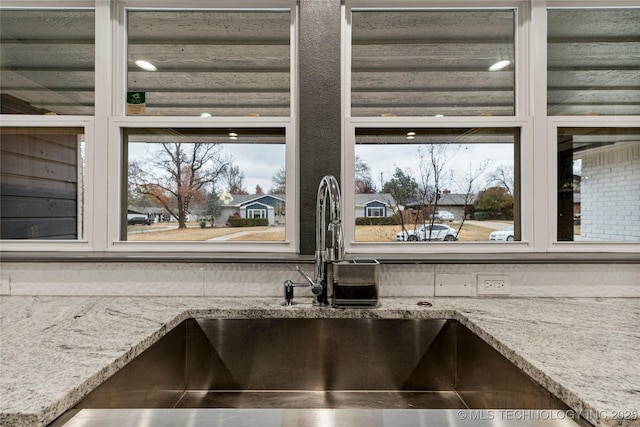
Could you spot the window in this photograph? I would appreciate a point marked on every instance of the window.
(432, 62)
(520, 99)
(592, 62)
(42, 183)
(203, 184)
(48, 61)
(206, 129)
(598, 184)
(439, 179)
(419, 173)
(593, 70)
(208, 63)
(256, 213)
(375, 212)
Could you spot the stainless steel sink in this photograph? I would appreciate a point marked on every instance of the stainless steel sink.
(298, 364)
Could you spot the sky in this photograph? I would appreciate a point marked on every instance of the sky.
(260, 162)
(383, 159)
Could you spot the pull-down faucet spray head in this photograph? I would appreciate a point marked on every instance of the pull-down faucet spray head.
(329, 235)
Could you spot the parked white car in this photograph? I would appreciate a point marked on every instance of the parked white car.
(442, 216)
(505, 235)
(439, 232)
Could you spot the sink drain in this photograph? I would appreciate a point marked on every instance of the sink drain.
(425, 304)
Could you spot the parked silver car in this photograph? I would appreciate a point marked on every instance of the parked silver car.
(425, 232)
(506, 234)
(442, 216)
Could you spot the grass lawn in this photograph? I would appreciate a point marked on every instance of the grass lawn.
(192, 234)
(364, 233)
(387, 233)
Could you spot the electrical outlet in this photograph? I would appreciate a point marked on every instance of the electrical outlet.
(453, 285)
(496, 284)
(5, 284)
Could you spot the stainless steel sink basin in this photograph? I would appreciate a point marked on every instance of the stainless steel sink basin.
(321, 364)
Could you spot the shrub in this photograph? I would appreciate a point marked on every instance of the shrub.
(487, 215)
(381, 220)
(482, 215)
(248, 222)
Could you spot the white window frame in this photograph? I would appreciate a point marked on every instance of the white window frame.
(121, 121)
(526, 185)
(579, 122)
(86, 221)
(262, 213)
(115, 185)
(103, 129)
(377, 209)
(120, 58)
(521, 120)
(90, 209)
(547, 134)
(538, 150)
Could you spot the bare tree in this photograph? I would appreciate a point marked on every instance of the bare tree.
(233, 179)
(502, 176)
(279, 182)
(432, 160)
(177, 175)
(364, 182)
(468, 184)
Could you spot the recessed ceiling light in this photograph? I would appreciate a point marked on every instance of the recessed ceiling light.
(499, 65)
(411, 134)
(146, 65)
(233, 134)
(205, 114)
(439, 115)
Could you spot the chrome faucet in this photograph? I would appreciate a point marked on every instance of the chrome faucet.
(329, 243)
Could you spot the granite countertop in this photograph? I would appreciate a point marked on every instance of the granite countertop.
(55, 350)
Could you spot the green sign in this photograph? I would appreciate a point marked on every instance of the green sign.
(135, 97)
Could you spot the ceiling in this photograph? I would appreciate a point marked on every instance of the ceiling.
(417, 63)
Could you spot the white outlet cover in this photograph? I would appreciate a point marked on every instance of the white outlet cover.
(505, 278)
(453, 285)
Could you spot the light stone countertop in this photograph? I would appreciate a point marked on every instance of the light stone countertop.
(55, 350)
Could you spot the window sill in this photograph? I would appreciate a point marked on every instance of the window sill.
(285, 258)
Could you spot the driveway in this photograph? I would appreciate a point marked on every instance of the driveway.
(489, 224)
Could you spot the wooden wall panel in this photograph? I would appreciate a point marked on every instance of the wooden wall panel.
(39, 183)
(39, 228)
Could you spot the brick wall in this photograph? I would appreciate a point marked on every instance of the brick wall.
(610, 193)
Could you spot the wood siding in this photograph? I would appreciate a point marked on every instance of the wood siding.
(39, 183)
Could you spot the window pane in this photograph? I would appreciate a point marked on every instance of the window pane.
(41, 183)
(204, 184)
(436, 184)
(593, 62)
(48, 61)
(599, 184)
(210, 63)
(428, 63)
